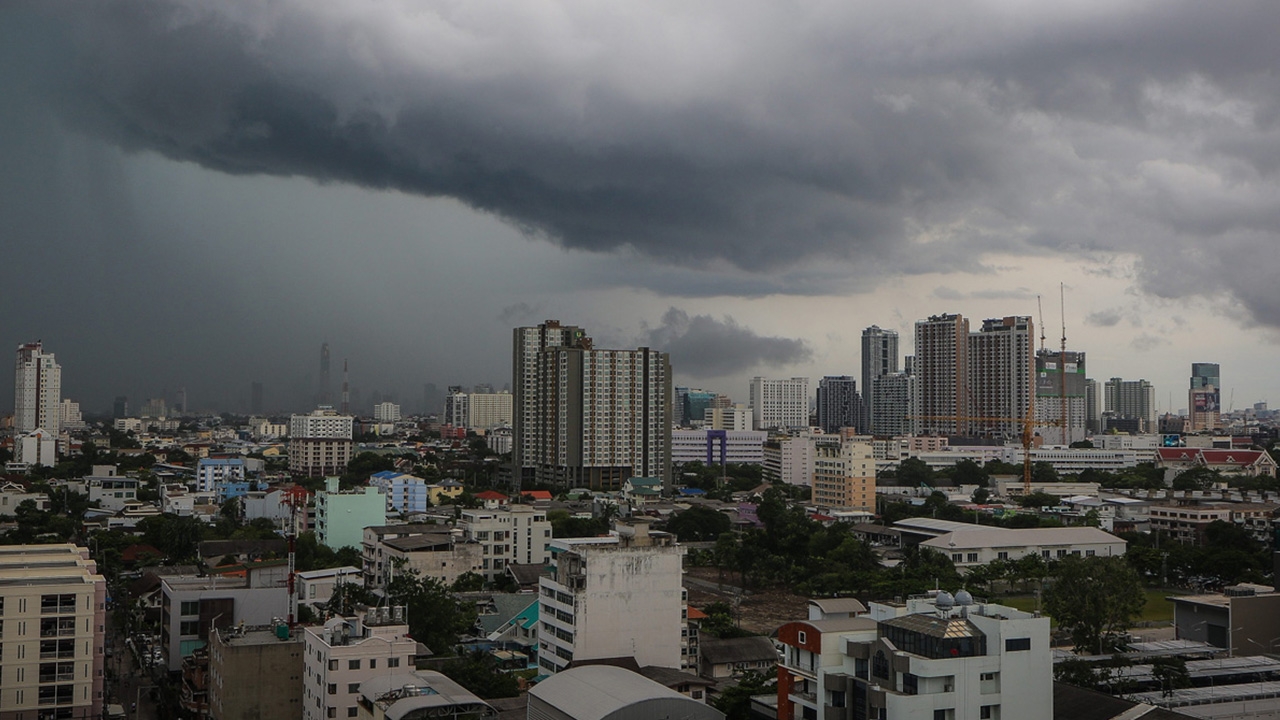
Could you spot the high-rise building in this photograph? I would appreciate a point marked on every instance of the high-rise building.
(255, 398)
(779, 403)
(155, 408)
(897, 405)
(54, 601)
(696, 403)
(586, 417)
(37, 390)
(120, 407)
(1130, 400)
(1001, 376)
(879, 357)
(456, 409)
(69, 415)
(489, 410)
(1204, 399)
(614, 597)
(839, 404)
(1052, 404)
(1092, 419)
(527, 417)
(941, 369)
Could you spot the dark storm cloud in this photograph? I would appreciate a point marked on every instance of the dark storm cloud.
(890, 137)
(701, 346)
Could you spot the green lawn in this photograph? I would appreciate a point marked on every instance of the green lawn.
(1158, 610)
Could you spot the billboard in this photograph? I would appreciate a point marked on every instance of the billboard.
(1205, 401)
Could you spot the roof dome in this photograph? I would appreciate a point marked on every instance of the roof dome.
(964, 598)
(944, 601)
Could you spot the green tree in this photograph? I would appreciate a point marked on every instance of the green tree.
(1197, 478)
(968, 472)
(981, 495)
(178, 537)
(735, 701)
(436, 619)
(699, 523)
(1043, 472)
(1038, 499)
(1171, 672)
(478, 672)
(914, 472)
(468, 582)
(564, 525)
(365, 464)
(1094, 599)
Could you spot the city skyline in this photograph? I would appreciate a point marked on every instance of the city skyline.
(202, 200)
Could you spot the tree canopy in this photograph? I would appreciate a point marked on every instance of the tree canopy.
(1095, 600)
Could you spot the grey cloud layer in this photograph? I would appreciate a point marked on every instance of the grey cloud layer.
(892, 137)
(703, 347)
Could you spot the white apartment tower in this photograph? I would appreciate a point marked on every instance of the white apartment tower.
(1001, 373)
(941, 368)
(37, 390)
(386, 412)
(527, 416)
(613, 597)
(486, 411)
(779, 403)
(320, 443)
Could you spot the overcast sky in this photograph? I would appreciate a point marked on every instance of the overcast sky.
(199, 194)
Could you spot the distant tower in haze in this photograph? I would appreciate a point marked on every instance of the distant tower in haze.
(120, 408)
(37, 390)
(324, 397)
(346, 391)
(1204, 399)
(255, 398)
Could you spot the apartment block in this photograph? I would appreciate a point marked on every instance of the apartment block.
(320, 443)
(211, 471)
(613, 597)
(342, 515)
(345, 652)
(53, 615)
(941, 368)
(191, 607)
(780, 404)
(844, 475)
(1001, 375)
(518, 534)
(255, 673)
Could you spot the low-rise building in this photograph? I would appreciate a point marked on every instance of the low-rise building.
(605, 692)
(13, 494)
(930, 657)
(112, 493)
(518, 534)
(441, 557)
(255, 595)
(211, 471)
(718, 446)
(255, 673)
(342, 515)
(405, 494)
(1187, 523)
(344, 653)
(731, 657)
(315, 587)
(982, 544)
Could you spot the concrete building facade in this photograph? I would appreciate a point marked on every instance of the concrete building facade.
(255, 674)
(517, 534)
(345, 652)
(879, 358)
(844, 475)
(1001, 376)
(717, 447)
(37, 390)
(53, 608)
(779, 404)
(342, 515)
(613, 597)
(941, 369)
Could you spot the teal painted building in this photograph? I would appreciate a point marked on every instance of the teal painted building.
(342, 515)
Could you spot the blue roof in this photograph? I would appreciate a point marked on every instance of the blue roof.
(221, 461)
(692, 491)
(385, 474)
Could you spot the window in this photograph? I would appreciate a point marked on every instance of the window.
(331, 712)
(940, 715)
(353, 711)
(353, 664)
(332, 689)
(801, 638)
(880, 665)
(393, 662)
(189, 627)
(1002, 555)
(971, 557)
(373, 663)
(1088, 553)
(1017, 644)
(353, 687)
(985, 712)
(190, 607)
(957, 557)
(333, 664)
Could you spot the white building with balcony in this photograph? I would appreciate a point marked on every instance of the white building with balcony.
(346, 652)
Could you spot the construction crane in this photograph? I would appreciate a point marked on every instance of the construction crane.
(1062, 365)
(1028, 423)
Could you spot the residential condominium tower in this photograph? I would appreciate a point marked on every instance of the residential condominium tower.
(1001, 374)
(37, 390)
(779, 403)
(586, 417)
(879, 357)
(941, 369)
(1053, 405)
(839, 405)
(528, 343)
(1131, 399)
